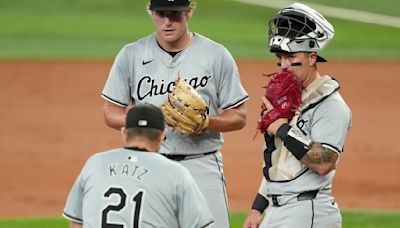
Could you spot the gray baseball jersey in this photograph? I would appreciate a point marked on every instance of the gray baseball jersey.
(325, 118)
(327, 122)
(143, 72)
(136, 189)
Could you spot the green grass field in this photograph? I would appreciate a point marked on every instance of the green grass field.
(386, 7)
(97, 29)
(351, 219)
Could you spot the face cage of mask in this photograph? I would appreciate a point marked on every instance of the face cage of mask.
(294, 26)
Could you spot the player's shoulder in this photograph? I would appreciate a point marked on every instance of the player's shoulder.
(334, 106)
(99, 156)
(138, 44)
(330, 94)
(335, 101)
(96, 160)
(207, 42)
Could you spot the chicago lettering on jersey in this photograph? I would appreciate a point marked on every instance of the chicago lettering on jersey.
(127, 170)
(147, 86)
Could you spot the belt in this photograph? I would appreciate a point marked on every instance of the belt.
(278, 201)
(181, 157)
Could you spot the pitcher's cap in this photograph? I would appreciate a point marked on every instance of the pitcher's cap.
(174, 5)
(145, 116)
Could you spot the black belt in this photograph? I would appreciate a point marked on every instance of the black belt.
(309, 195)
(181, 157)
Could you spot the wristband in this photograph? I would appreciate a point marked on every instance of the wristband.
(295, 140)
(282, 131)
(260, 203)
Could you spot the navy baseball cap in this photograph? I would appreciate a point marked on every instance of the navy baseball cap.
(174, 5)
(145, 116)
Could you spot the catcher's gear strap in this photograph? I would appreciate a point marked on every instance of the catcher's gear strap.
(294, 139)
(318, 91)
(260, 203)
(269, 143)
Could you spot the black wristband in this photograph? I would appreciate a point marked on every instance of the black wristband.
(296, 147)
(260, 203)
(283, 131)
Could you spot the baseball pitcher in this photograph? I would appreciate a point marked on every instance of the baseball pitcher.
(196, 83)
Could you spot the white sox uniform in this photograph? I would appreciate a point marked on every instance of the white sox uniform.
(294, 189)
(125, 187)
(143, 72)
(300, 157)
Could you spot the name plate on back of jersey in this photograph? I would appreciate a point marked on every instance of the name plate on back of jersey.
(128, 170)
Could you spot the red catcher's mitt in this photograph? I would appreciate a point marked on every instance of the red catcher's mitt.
(284, 93)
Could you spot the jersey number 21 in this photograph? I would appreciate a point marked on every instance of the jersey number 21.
(119, 191)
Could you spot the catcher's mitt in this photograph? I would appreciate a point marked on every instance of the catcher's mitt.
(185, 110)
(284, 93)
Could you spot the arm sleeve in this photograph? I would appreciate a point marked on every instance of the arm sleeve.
(117, 88)
(73, 206)
(331, 123)
(193, 209)
(231, 91)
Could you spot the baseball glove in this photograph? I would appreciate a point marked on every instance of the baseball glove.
(185, 110)
(284, 93)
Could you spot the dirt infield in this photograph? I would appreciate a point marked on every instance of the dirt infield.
(52, 122)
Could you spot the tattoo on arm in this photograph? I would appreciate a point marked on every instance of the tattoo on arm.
(320, 156)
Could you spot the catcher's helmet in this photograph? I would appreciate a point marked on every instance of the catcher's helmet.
(299, 28)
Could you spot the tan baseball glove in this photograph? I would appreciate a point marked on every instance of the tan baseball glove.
(185, 110)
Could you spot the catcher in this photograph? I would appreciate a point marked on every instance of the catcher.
(305, 123)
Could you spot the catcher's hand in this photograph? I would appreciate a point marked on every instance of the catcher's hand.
(284, 94)
(185, 110)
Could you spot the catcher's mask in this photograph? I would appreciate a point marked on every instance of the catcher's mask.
(299, 28)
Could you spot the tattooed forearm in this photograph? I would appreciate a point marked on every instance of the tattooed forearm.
(320, 158)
